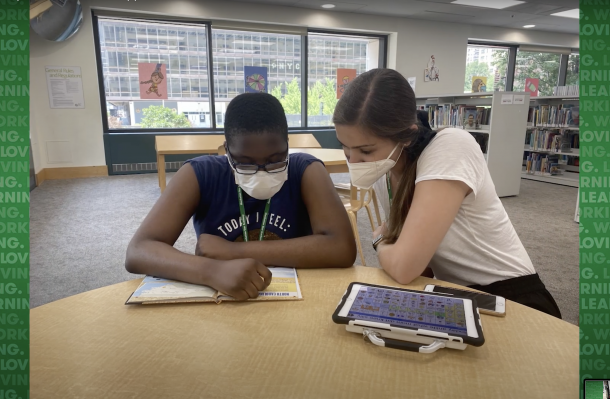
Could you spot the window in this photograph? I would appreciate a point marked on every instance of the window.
(572, 72)
(543, 66)
(327, 53)
(124, 44)
(234, 50)
(486, 61)
(182, 47)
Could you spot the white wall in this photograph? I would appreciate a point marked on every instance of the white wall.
(410, 46)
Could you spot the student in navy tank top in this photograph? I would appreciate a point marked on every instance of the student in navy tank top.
(257, 206)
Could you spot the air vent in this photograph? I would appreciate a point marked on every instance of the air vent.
(60, 3)
(143, 167)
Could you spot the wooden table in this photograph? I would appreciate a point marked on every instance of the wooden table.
(334, 160)
(207, 144)
(91, 345)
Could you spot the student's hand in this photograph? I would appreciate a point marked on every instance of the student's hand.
(241, 278)
(214, 247)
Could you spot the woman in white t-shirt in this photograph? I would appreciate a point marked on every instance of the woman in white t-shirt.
(443, 215)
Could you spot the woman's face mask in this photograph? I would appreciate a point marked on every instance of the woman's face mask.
(365, 174)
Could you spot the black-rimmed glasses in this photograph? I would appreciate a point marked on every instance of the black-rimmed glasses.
(252, 168)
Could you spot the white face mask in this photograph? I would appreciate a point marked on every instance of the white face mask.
(365, 174)
(261, 185)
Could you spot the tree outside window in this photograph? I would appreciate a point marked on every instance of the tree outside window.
(572, 72)
(542, 66)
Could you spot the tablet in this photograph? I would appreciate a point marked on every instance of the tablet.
(409, 315)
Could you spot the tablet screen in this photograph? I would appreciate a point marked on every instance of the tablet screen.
(409, 309)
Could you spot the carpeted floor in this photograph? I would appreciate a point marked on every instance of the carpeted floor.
(80, 229)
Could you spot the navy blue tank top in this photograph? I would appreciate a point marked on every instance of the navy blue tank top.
(218, 211)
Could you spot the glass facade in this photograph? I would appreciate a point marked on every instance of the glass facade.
(543, 66)
(488, 61)
(183, 49)
(572, 71)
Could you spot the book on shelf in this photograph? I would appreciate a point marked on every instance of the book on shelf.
(551, 139)
(571, 90)
(154, 290)
(562, 115)
(457, 115)
(542, 165)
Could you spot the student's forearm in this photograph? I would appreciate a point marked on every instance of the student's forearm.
(162, 260)
(314, 251)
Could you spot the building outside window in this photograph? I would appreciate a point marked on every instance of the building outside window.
(327, 53)
(486, 61)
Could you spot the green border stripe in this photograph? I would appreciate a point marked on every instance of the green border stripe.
(594, 198)
(14, 199)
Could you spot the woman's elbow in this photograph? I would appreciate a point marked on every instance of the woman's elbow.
(398, 269)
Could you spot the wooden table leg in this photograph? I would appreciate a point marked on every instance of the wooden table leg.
(161, 171)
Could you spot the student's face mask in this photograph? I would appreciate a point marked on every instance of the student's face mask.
(365, 174)
(261, 185)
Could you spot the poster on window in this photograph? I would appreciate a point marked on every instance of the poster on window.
(531, 86)
(153, 81)
(344, 77)
(255, 79)
(479, 84)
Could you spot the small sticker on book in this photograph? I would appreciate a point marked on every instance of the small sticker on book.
(274, 293)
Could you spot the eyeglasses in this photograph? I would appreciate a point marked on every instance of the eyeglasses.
(252, 168)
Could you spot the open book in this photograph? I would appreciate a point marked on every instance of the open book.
(284, 286)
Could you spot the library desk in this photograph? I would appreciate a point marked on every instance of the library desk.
(208, 144)
(91, 345)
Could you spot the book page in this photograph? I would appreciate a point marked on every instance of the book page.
(161, 289)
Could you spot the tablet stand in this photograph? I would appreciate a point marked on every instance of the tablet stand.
(374, 338)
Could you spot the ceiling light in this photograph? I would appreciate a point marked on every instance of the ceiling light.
(328, 6)
(575, 13)
(496, 4)
(528, 26)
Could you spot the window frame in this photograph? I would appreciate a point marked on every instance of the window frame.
(382, 63)
(512, 58)
(512, 61)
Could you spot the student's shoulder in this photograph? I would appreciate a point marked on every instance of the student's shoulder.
(299, 161)
(209, 165)
(210, 161)
(302, 159)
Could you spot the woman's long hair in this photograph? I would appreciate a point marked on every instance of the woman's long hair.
(383, 103)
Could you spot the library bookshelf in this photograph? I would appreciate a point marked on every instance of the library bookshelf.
(501, 136)
(559, 120)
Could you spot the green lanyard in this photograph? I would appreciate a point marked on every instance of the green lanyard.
(387, 176)
(242, 216)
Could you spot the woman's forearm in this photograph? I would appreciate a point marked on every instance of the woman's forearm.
(314, 251)
(400, 268)
(162, 260)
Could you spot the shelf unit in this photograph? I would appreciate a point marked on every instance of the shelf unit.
(570, 172)
(506, 133)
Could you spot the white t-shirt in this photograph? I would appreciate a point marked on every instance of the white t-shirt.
(481, 246)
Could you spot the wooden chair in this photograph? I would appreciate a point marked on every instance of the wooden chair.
(353, 203)
(344, 189)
